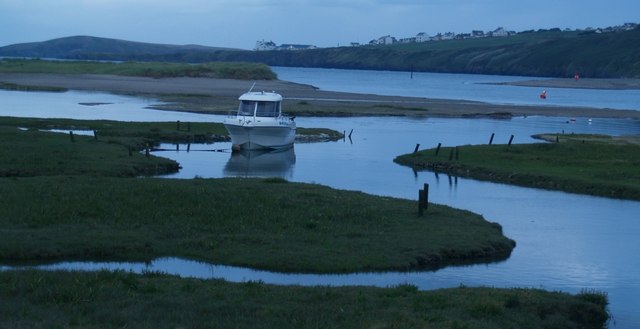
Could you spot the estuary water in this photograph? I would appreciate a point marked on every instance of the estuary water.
(565, 241)
(473, 87)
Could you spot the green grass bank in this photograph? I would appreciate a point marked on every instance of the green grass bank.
(220, 70)
(37, 299)
(115, 142)
(586, 164)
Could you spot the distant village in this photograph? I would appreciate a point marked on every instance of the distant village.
(500, 32)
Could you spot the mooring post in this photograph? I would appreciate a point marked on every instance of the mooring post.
(71, 136)
(188, 147)
(491, 139)
(420, 203)
(557, 139)
(351, 132)
(438, 148)
(426, 196)
(416, 149)
(510, 140)
(177, 147)
(146, 151)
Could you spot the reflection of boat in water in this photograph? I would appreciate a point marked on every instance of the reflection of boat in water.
(261, 163)
(259, 124)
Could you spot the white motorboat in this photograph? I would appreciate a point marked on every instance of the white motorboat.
(259, 123)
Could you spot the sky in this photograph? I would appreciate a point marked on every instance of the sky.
(323, 23)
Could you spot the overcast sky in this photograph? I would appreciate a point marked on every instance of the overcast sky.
(324, 23)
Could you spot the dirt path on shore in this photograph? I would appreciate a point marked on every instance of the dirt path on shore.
(304, 99)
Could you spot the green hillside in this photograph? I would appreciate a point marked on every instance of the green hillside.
(551, 54)
(544, 53)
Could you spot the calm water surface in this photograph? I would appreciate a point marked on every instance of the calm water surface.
(472, 87)
(565, 241)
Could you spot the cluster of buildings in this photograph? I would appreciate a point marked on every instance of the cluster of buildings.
(424, 37)
(499, 32)
(262, 45)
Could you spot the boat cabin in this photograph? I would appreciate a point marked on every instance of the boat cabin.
(260, 104)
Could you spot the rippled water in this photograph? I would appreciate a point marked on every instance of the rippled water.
(565, 241)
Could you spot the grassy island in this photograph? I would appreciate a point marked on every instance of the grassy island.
(220, 70)
(64, 198)
(587, 164)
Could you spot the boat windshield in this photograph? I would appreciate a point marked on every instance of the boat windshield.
(261, 108)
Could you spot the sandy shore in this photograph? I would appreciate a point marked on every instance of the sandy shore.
(582, 83)
(321, 102)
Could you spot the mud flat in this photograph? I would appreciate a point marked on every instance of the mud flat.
(583, 83)
(197, 94)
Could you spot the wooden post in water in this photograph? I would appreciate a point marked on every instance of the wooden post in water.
(510, 140)
(426, 196)
(438, 148)
(420, 203)
(71, 136)
(416, 149)
(423, 200)
(491, 139)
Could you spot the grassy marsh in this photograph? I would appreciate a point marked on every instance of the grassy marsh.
(37, 299)
(75, 204)
(221, 70)
(77, 185)
(586, 164)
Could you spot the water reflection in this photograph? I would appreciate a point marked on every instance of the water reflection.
(261, 163)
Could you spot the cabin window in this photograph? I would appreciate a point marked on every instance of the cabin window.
(267, 109)
(247, 108)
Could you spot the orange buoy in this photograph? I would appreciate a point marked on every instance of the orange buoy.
(543, 95)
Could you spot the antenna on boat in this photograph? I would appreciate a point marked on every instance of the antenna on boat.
(253, 85)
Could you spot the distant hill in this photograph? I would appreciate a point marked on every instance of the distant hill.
(546, 54)
(87, 47)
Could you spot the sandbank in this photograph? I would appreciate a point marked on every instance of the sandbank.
(581, 83)
(339, 103)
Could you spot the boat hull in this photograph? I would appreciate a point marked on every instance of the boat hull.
(252, 137)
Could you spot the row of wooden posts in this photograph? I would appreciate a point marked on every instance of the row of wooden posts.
(423, 194)
(456, 148)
